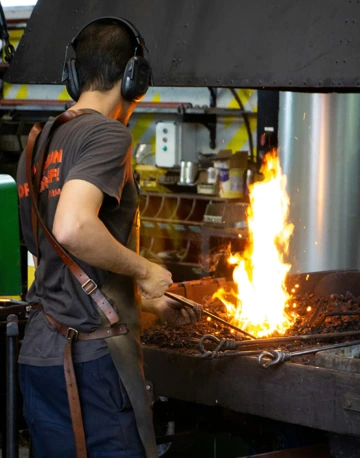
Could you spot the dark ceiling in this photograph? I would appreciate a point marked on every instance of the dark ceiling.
(311, 45)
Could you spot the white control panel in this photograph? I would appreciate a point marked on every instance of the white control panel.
(167, 144)
(175, 142)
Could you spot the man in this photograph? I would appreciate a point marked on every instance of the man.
(88, 198)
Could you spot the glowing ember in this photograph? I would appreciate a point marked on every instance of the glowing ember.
(260, 271)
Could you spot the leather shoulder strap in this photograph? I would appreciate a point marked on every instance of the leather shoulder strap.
(37, 130)
(88, 285)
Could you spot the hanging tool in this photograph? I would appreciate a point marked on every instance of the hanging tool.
(272, 358)
(4, 35)
(187, 303)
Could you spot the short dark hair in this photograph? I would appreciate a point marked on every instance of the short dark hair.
(102, 52)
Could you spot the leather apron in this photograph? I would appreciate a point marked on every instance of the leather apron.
(125, 350)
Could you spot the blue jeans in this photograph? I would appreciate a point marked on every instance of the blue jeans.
(109, 420)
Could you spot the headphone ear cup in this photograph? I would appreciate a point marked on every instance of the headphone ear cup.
(72, 82)
(136, 79)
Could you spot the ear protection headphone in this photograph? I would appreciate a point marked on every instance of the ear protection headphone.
(137, 75)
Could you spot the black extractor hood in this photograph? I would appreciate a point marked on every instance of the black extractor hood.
(309, 45)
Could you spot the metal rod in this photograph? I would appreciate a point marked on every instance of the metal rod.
(316, 312)
(226, 323)
(334, 335)
(272, 358)
(187, 303)
(12, 332)
(325, 347)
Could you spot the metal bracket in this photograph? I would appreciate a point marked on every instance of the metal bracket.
(350, 403)
(150, 389)
(209, 120)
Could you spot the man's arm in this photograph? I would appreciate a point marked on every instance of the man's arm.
(78, 228)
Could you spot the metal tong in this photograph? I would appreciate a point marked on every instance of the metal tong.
(273, 358)
(187, 303)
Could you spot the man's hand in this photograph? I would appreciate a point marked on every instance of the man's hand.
(155, 282)
(173, 313)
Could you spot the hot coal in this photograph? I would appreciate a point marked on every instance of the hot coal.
(308, 310)
(316, 321)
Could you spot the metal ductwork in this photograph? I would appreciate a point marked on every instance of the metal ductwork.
(320, 155)
(308, 45)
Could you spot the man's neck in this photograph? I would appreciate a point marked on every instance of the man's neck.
(109, 104)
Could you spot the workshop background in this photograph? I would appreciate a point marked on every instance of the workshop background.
(196, 153)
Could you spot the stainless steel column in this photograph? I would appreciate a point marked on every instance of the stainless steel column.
(320, 154)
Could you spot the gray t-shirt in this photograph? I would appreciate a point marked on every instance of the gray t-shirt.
(96, 149)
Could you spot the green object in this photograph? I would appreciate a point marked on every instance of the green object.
(10, 272)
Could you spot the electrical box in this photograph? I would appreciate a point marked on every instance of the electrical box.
(167, 144)
(175, 142)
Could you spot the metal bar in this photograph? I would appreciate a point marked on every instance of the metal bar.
(316, 312)
(334, 335)
(12, 332)
(226, 323)
(325, 347)
(272, 358)
(187, 303)
(142, 108)
(235, 113)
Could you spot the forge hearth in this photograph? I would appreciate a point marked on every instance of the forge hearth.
(315, 314)
(298, 392)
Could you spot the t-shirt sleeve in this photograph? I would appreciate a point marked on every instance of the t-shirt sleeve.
(103, 158)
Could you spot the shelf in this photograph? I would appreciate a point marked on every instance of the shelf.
(220, 232)
(181, 109)
(173, 224)
(194, 196)
(182, 216)
(163, 228)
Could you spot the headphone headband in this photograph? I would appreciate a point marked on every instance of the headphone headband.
(136, 34)
(120, 21)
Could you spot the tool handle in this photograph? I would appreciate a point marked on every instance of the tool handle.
(187, 303)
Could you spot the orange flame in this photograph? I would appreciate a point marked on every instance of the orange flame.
(260, 270)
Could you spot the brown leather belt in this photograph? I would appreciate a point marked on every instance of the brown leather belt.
(73, 335)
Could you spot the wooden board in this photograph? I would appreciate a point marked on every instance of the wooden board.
(293, 393)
